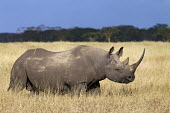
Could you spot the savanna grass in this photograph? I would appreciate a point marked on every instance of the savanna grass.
(149, 93)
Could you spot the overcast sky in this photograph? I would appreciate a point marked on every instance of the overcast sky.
(82, 13)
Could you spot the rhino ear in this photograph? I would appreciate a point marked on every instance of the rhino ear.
(111, 50)
(120, 52)
(126, 61)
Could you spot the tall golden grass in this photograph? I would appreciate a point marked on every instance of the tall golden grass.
(149, 93)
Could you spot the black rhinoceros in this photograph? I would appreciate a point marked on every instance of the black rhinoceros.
(80, 67)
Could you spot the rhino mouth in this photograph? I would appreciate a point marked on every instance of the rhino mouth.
(126, 81)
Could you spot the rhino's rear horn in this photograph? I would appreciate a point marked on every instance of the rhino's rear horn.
(126, 61)
(135, 65)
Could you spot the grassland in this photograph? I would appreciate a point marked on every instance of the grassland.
(149, 93)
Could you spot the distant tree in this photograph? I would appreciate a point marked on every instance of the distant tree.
(76, 34)
(162, 34)
(91, 36)
(30, 35)
(129, 33)
(110, 33)
(143, 34)
(158, 26)
(152, 30)
(10, 37)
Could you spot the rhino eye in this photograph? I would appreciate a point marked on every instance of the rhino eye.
(117, 69)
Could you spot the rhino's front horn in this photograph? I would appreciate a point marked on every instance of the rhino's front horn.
(135, 65)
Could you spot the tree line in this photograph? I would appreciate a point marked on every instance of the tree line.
(122, 33)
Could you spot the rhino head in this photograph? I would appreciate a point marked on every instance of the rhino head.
(118, 71)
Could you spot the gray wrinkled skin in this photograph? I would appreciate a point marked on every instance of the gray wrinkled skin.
(77, 69)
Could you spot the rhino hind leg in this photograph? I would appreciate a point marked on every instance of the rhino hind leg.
(30, 87)
(16, 85)
(18, 79)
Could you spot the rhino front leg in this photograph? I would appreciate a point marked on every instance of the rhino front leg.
(94, 88)
(79, 89)
(30, 87)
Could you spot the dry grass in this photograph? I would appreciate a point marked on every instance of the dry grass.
(149, 93)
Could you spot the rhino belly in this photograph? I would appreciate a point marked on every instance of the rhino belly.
(44, 77)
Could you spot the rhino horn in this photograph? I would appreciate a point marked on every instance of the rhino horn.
(126, 61)
(135, 65)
